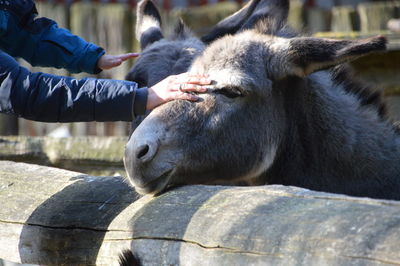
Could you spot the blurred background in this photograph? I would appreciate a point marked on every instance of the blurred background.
(110, 24)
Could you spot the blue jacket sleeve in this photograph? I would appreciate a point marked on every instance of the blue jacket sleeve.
(50, 98)
(41, 42)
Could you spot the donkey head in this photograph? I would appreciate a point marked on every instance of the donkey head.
(161, 57)
(236, 131)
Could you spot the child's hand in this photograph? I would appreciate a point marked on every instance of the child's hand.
(110, 61)
(176, 87)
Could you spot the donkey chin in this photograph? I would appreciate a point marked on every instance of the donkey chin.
(148, 177)
(155, 186)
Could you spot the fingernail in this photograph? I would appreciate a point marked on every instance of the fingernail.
(199, 99)
(195, 98)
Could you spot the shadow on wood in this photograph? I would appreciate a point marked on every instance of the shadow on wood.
(69, 227)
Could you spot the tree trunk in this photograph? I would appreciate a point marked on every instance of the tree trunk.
(57, 217)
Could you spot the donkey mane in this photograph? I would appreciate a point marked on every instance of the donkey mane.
(368, 96)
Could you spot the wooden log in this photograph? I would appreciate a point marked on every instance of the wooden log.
(92, 155)
(56, 217)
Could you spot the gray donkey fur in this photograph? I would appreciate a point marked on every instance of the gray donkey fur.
(282, 110)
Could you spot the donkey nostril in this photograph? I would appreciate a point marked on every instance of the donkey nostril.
(143, 150)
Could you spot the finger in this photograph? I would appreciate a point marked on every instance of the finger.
(186, 87)
(187, 96)
(115, 62)
(125, 57)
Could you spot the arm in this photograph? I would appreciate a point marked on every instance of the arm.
(41, 42)
(49, 98)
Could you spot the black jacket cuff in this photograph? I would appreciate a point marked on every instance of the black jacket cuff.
(140, 102)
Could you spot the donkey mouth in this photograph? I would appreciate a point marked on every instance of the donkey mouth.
(156, 186)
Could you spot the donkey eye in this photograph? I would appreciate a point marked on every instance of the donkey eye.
(230, 92)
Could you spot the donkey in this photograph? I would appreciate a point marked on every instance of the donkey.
(282, 110)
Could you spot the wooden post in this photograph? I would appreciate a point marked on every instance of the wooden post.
(107, 25)
(295, 18)
(318, 19)
(344, 19)
(375, 16)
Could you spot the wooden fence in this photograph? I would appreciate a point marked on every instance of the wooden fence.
(112, 27)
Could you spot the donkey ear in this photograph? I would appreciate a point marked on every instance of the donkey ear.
(272, 13)
(246, 18)
(148, 23)
(231, 24)
(306, 55)
(181, 32)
